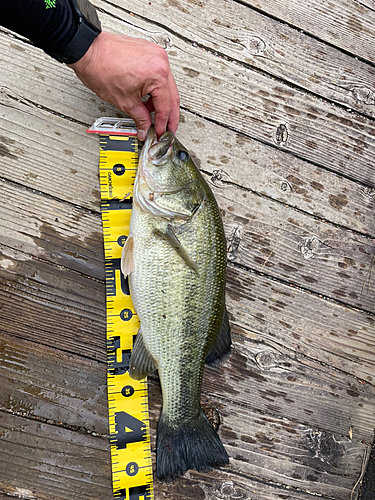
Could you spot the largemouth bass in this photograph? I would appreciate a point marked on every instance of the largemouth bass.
(175, 257)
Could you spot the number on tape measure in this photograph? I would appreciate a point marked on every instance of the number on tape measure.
(128, 430)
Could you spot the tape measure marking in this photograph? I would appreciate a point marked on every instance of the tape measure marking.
(129, 428)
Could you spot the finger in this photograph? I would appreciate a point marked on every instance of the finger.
(174, 117)
(142, 118)
(161, 100)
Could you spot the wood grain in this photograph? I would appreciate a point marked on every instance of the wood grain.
(44, 461)
(41, 382)
(243, 99)
(61, 464)
(56, 157)
(260, 444)
(308, 384)
(252, 38)
(51, 230)
(62, 308)
(344, 24)
(262, 235)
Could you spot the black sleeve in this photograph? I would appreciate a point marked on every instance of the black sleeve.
(49, 24)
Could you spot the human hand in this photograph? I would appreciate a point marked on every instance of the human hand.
(121, 69)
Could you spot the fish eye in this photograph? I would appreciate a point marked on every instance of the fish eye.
(182, 155)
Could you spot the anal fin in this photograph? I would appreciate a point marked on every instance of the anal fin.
(221, 349)
(141, 361)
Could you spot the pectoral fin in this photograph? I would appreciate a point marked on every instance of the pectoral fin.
(127, 261)
(170, 237)
(221, 349)
(141, 361)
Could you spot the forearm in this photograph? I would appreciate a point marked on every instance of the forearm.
(49, 24)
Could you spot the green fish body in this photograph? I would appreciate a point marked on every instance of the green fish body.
(175, 257)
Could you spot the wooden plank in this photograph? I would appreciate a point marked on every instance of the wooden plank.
(44, 461)
(342, 23)
(252, 38)
(276, 383)
(49, 154)
(40, 382)
(277, 450)
(41, 461)
(234, 158)
(63, 309)
(52, 230)
(282, 369)
(262, 235)
(278, 315)
(281, 116)
(262, 445)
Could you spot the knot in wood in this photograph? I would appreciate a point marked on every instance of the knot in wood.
(219, 178)
(266, 359)
(230, 492)
(281, 134)
(309, 246)
(255, 45)
(164, 41)
(325, 446)
(369, 193)
(285, 186)
(364, 95)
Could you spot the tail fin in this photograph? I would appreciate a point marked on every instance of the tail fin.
(192, 445)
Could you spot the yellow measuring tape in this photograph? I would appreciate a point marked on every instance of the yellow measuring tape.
(127, 398)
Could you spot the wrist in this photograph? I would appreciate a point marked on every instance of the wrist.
(88, 28)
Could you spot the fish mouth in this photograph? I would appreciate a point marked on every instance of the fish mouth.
(157, 151)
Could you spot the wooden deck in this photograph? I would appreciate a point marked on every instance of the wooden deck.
(278, 107)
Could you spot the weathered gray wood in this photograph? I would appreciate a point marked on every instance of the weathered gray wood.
(45, 461)
(38, 381)
(250, 37)
(245, 100)
(41, 461)
(235, 158)
(51, 305)
(61, 308)
(269, 447)
(220, 486)
(343, 23)
(266, 109)
(52, 230)
(278, 449)
(278, 315)
(262, 234)
(309, 386)
(47, 153)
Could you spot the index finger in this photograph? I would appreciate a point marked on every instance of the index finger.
(161, 99)
(174, 116)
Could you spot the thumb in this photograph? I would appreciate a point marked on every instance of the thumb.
(142, 118)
